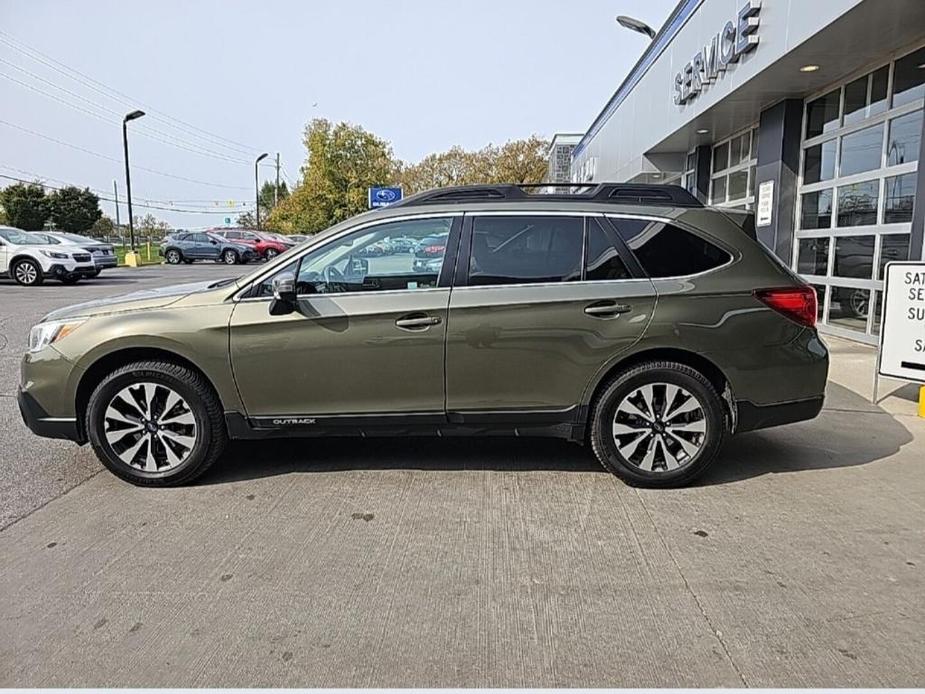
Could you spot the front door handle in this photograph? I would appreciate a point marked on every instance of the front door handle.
(606, 309)
(417, 321)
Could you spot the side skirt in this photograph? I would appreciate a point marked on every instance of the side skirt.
(564, 424)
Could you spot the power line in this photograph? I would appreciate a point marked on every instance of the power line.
(165, 138)
(119, 161)
(108, 92)
(108, 199)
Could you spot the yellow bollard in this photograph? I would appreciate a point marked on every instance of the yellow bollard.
(133, 259)
(921, 401)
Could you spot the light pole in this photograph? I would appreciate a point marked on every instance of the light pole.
(636, 25)
(128, 177)
(257, 185)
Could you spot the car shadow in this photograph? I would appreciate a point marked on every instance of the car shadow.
(838, 438)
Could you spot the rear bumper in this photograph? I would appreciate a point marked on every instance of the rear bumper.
(105, 261)
(41, 424)
(752, 417)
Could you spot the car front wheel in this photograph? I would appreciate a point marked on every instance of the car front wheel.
(27, 273)
(173, 256)
(155, 423)
(658, 424)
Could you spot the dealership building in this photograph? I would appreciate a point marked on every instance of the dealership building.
(808, 112)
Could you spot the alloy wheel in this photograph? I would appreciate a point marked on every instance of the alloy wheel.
(230, 258)
(272, 253)
(173, 257)
(659, 427)
(26, 273)
(150, 427)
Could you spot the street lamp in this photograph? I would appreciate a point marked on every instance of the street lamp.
(636, 25)
(257, 185)
(128, 177)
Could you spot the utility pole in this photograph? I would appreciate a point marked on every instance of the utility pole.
(276, 192)
(115, 190)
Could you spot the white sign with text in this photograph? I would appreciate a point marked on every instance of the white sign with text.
(902, 332)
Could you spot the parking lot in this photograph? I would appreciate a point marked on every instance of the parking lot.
(798, 560)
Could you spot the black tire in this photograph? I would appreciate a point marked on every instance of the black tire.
(187, 261)
(230, 257)
(211, 436)
(27, 272)
(604, 409)
(69, 279)
(271, 253)
(173, 256)
(96, 273)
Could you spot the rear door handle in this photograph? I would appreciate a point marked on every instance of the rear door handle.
(607, 309)
(417, 321)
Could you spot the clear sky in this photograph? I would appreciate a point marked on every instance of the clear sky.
(224, 81)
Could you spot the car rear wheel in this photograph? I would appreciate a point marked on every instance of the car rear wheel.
(155, 423)
(271, 253)
(230, 257)
(27, 273)
(659, 424)
(173, 256)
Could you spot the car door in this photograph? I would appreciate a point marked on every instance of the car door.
(204, 246)
(4, 257)
(541, 303)
(367, 336)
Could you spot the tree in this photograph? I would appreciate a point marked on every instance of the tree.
(267, 199)
(103, 227)
(26, 206)
(149, 225)
(74, 210)
(343, 161)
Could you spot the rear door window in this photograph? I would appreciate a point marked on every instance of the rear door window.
(664, 250)
(525, 250)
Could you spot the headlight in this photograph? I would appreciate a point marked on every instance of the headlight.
(55, 254)
(45, 334)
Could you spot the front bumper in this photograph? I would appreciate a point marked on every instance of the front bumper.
(66, 269)
(41, 424)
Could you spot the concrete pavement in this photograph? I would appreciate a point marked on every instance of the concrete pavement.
(798, 561)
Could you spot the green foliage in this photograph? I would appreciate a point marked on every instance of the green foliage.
(26, 206)
(104, 226)
(344, 160)
(267, 200)
(149, 225)
(74, 210)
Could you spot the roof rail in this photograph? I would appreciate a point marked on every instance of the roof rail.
(613, 193)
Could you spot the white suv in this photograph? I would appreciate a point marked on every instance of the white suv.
(29, 260)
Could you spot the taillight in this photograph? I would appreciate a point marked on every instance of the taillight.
(797, 303)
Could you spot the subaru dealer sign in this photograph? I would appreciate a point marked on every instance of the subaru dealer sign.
(383, 197)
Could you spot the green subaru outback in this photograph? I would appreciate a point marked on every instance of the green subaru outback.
(624, 316)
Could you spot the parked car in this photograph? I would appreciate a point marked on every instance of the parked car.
(265, 246)
(403, 244)
(299, 238)
(427, 249)
(190, 246)
(29, 259)
(104, 254)
(628, 317)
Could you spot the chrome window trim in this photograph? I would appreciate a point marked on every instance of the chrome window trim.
(281, 261)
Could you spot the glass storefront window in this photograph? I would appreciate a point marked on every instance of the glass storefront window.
(861, 151)
(751, 181)
(893, 247)
(819, 163)
(909, 78)
(735, 151)
(866, 97)
(899, 199)
(816, 210)
(848, 308)
(822, 114)
(813, 256)
(721, 157)
(878, 300)
(904, 140)
(738, 185)
(854, 257)
(719, 190)
(857, 204)
(820, 300)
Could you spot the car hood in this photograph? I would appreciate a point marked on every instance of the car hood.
(140, 300)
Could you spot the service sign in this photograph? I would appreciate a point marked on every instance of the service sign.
(902, 333)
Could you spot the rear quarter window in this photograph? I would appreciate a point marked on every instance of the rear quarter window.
(664, 250)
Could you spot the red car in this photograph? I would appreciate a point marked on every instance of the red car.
(265, 245)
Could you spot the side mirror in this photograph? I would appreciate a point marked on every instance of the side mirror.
(213, 242)
(284, 295)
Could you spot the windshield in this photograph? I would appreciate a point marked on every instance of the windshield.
(77, 238)
(21, 238)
